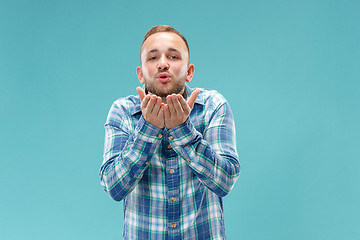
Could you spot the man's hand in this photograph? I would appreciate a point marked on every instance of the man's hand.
(177, 110)
(151, 108)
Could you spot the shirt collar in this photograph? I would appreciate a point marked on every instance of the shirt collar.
(188, 91)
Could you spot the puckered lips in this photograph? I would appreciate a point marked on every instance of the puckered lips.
(163, 77)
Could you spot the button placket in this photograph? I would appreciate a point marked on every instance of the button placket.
(173, 188)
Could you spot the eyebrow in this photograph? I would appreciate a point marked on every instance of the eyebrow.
(169, 49)
(173, 50)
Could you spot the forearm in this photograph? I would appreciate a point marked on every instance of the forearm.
(126, 157)
(212, 157)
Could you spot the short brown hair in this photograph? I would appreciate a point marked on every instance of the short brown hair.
(165, 28)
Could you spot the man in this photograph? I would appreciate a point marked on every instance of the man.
(170, 153)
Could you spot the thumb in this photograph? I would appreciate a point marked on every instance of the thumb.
(141, 93)
(193, 97)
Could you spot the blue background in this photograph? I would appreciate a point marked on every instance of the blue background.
(290, 70)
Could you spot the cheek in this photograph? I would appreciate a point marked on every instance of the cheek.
(146, 72)
(183, 70)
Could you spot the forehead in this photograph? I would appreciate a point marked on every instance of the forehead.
(162, 41)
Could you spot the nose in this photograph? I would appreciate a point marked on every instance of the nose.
(163, 64)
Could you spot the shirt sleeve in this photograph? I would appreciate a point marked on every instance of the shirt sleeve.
(212, 155)
(127, 152)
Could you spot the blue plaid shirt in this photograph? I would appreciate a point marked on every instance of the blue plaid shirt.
(171, 180)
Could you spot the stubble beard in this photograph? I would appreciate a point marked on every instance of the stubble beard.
(177, 88)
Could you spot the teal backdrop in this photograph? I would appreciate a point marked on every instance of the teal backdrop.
(290, 70)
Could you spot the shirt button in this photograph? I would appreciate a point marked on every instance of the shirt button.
(173, 199)
(159, 135)
(173, 225)
(172, 171)
(171, 138)
(188, 160)
(147, 162)
(169, 146)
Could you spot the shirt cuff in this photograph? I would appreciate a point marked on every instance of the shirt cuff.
(147, 132)
(184, 134)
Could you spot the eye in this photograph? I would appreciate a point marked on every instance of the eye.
(151, 58)
(173, 57)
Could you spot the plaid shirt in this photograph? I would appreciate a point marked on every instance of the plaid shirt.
(171, 180)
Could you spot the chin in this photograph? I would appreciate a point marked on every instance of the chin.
(165, 90)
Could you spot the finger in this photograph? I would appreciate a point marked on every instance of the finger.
(141, 93)
(157, 105)
(161, 113)
(167, 113)
(169, 100)
(151, 103)
(193, 97)
(145, 101)
(185, 107)
(177, 104)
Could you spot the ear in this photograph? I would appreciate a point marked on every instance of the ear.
(190, 72)
(140, 75)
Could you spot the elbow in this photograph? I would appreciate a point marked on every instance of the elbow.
(110, 185)
(229, 183)
(115, 193)
(221, 184)
(223, 193)
(223, 188)
(116, 197)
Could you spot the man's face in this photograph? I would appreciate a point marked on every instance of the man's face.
(165, 68)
